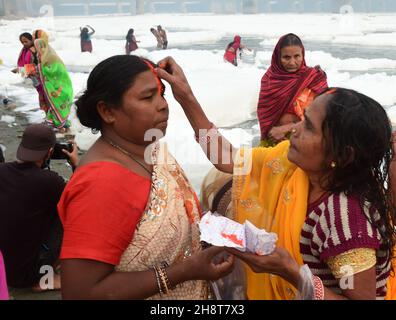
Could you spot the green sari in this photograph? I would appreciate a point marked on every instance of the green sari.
(57, 85)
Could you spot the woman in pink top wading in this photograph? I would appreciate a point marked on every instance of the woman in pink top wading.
(3, 282)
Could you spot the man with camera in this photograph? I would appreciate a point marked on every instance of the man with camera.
(30, 229)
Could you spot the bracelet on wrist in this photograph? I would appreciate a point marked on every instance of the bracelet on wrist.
(318, 288)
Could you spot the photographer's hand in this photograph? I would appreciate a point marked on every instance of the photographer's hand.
(72, 156)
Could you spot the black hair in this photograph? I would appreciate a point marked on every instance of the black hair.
(291, 40)
(26, 35)
(108, 82)
(357, 137)
(84, 34)
(129, 34)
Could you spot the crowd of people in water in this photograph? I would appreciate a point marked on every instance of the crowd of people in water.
(127, 227)
(131, 43)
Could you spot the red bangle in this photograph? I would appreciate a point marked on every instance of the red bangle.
(318, 288)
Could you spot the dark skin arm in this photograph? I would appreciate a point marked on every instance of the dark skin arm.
(72, 156)
(171, 72)
(93, 280)
(282, 264)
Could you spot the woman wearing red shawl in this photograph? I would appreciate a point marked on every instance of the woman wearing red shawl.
(231, 54)
(287, 88)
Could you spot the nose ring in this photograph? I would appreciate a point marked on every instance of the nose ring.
(294, 131)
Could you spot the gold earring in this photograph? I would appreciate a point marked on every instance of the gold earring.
(333, 165)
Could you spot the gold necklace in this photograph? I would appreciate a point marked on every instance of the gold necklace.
(127, 154)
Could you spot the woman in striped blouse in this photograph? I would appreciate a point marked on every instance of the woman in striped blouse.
(326, 193)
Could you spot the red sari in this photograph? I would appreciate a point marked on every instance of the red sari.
(131, 45)
(280, 89)
(232, 51)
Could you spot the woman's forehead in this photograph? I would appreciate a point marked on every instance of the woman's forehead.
(291, 49)
(145, 81)
(317, 109)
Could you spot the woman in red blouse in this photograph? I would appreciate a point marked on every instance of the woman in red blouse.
(130, 215)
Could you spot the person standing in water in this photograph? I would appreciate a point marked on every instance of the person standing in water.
(85, 36)
(163, 36)
(158, 37)
(233, 49)
(131, 43)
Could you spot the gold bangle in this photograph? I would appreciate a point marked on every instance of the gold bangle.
(158, 281)
(163, 278)
(165, 265)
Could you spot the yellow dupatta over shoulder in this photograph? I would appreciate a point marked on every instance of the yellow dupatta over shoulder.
(272, 193)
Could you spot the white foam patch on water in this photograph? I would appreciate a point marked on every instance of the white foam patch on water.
(228, 95)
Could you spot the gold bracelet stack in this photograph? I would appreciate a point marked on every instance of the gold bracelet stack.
(164, 285)
(158, 281)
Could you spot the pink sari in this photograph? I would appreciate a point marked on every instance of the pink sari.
(25, 57)
(3, 282)
(26, 60)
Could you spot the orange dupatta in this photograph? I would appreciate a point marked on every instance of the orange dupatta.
(391, 285)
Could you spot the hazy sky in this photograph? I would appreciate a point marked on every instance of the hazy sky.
(91, 7)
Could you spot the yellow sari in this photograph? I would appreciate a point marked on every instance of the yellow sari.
(272, 193)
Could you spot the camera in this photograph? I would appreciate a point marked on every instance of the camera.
(58, 154)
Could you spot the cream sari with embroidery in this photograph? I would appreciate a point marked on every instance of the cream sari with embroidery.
(169, 227)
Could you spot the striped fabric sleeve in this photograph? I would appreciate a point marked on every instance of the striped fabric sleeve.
(344, 226)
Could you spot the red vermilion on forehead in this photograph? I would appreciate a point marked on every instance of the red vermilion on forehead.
(159, 84)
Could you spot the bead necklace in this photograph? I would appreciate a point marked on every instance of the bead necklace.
(127, 154)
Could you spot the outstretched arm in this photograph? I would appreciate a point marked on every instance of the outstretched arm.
(282, 264)
(218, 149)
(245, 47)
